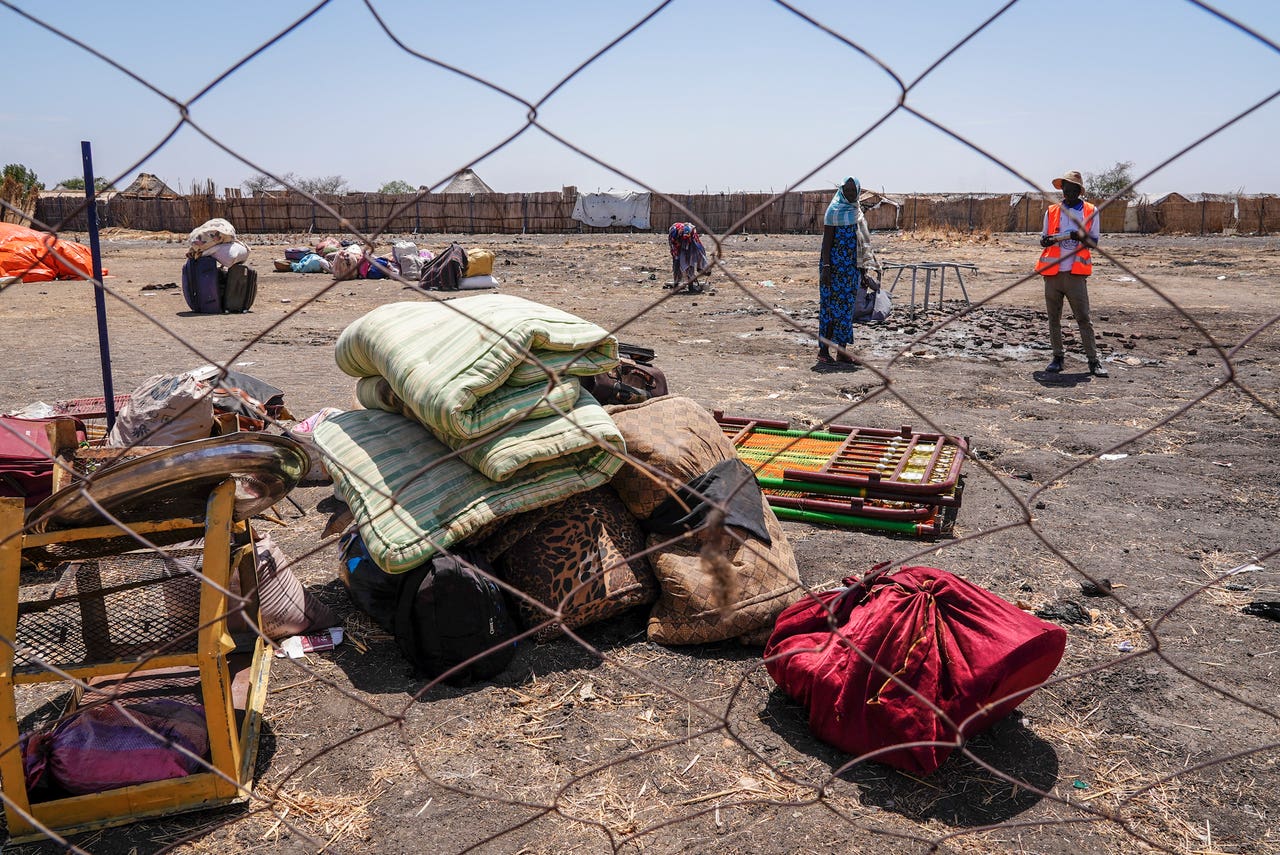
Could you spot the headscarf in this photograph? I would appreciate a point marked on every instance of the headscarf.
(681, 236)
(842, 211)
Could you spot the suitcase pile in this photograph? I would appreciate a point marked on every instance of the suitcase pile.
(211, 290)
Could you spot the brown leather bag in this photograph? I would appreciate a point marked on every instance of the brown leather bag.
(629, 383)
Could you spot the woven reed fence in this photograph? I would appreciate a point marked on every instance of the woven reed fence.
(550, 213)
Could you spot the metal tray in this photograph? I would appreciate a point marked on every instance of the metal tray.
(176, 481)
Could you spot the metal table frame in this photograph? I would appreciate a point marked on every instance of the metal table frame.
(929, 267)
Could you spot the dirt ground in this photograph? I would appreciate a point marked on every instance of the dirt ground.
(645, 748)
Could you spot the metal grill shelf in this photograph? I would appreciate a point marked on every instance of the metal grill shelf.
(136, 620)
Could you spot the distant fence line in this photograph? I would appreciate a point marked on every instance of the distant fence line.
(551, 213)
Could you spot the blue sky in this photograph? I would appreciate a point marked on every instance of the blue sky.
(710, 95)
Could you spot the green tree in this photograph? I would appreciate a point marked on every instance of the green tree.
(23, 176)
(397, 186)
(99, 184)
(1110, 182)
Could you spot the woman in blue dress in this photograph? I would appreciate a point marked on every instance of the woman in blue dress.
(846, 257)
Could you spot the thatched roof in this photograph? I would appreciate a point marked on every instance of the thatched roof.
(148, 186)
(467, 181)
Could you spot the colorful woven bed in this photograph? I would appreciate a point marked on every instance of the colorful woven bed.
(857, 477)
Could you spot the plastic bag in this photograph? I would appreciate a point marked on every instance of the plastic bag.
(347, 261)
(479, 262)
(165, 410)
(228, 254)
(405, 253)
(871, 306)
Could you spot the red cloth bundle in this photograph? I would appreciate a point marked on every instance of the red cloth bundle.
(961, 648)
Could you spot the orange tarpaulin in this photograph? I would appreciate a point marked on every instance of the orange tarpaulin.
(39, 256)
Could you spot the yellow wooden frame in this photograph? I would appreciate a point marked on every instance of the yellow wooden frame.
(232, 755)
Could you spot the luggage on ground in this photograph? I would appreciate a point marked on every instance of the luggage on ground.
(584, 555)
(26, 472)
(449, 612)
(241, 288)
(107, 746)
(630, 382)
(346, 262)
(405, 253)
(202, 285)
(165, 410)
(445, 271)
(909, 651)
(375, 591)
(479, 262)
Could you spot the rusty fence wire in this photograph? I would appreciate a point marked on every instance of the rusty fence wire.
(654, 751)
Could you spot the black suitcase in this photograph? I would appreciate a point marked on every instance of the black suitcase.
(241, 289)
(202, 285)
(449, 612)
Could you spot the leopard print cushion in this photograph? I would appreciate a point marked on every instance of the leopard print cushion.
(577, 557)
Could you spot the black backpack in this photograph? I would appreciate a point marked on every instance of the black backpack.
(241, 288)
(449, 612)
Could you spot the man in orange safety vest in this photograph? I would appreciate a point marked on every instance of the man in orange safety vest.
(1070, 230)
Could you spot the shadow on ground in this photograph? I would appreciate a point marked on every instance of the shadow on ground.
(961, 793)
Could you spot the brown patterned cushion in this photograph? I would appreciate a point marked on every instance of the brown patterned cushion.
(577, 553)
(673, 435)
(699, 604)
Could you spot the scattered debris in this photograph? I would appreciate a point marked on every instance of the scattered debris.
(297, 646)
(1064, 611)
(1268, 610)
(1101, 588)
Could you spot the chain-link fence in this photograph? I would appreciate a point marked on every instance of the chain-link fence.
(1133, 516)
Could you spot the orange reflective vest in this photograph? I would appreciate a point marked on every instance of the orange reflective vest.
(1052, 255)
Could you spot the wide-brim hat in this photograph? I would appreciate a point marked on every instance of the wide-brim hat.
(1070, 175)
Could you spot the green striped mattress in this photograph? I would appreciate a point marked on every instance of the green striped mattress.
(412, 497)
(462, 367)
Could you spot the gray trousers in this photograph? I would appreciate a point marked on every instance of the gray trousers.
(1075, 289)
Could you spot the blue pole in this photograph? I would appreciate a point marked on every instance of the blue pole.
(99, 298)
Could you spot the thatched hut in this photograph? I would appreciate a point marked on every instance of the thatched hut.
(467, 181)
(881, 211)
(1174, 212)
(148, 186)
